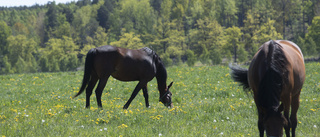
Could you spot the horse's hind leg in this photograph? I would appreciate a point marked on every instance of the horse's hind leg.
(293, 117)
(134, 94)
(101, 85)
(89, 89)
(146, 96)
(260, 123)
(287, 102)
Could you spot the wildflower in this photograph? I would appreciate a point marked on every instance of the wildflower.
(100, 129)
(122, 126)
(214, 120)
(232, 107)
(315, 126)
(160, 134)
(43, 121)
(105, 129)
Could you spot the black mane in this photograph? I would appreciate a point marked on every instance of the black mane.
(161, 74)
(271, 85)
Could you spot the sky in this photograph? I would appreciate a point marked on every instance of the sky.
(12, 3)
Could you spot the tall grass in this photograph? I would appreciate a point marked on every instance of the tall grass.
(206, 103)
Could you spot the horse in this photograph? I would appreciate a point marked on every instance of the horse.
(125, 65)
(276, 74)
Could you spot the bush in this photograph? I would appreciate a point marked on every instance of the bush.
(167, 61)
(191, 58)
(215, 57)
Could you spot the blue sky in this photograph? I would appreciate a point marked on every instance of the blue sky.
(11, 3)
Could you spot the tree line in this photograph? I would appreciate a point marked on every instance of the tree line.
(56, 37)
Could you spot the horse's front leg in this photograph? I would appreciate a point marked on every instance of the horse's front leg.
(134, 94)
(146, 96)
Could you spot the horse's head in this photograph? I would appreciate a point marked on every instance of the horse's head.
(166, 97)
(274, 122)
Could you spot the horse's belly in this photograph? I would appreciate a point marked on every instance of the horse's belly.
(125, 76)
(131, 74)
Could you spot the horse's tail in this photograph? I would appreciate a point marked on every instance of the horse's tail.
(87, 70)
(276, 59)
(271, 84)
(240, 75)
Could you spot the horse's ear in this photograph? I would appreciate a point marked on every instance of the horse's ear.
(170, 84)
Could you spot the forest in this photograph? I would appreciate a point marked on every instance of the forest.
(56, 37)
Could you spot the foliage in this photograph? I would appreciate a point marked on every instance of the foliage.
(61, 53)
(206, 102)
(314, 32)
(191, 59)
(214, 30)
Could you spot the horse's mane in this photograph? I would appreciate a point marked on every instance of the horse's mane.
(271, 85)
(161, 74)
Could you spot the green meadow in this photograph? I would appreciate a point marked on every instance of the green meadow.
(206, 103)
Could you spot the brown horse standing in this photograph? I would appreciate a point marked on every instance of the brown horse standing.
(276, 74)
(125, 65)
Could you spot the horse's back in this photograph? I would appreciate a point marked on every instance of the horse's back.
(296, 60)
(125, 64)
(295, 64)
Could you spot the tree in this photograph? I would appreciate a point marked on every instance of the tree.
(266, 32)
(314, 32)
(19, 28)
(5, 32)
(137, 16)
(103, 17)
(312, 47)
(129, 40)
(226, 12)
(52, 18)
(207, 36)
(233, 44)
(6, 69)
(191, 58)
(59, 55)
(21, 52)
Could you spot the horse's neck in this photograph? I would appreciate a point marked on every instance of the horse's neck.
(161, 78)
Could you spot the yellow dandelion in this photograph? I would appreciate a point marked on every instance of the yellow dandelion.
(123, 126)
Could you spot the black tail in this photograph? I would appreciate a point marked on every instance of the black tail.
(87, 70)
(271, 84)
(240, 75)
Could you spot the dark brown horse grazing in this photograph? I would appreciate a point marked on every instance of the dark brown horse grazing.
(276, 74)
(125, 65)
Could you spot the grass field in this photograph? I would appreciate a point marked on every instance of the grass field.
(206, 103)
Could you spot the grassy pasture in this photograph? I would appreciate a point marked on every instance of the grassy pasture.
(206, 103)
